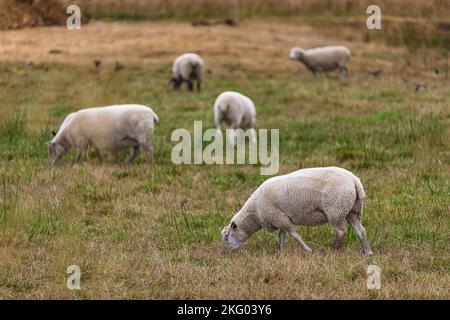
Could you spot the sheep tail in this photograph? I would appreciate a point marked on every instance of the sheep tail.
(360, 196)
(155, 117)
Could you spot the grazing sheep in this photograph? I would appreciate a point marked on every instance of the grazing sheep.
(108, 128)
(236, 110)
(305, 197)
(187, 68)
(323, 59)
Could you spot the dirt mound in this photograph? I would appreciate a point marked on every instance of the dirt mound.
(16, 14)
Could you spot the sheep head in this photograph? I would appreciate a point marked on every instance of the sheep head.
(233, 236)
(55, 151)
(296, 53)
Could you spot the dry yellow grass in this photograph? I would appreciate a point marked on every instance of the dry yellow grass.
(188, 8)
(155, 43)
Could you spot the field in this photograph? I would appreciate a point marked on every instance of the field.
(153, 231)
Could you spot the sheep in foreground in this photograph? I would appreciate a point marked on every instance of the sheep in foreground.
(236, 110)
(323, 59)
(187, 68)
(108, 128)
(305, 197)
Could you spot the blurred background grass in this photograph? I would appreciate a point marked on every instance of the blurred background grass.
(413, 23)
(145, 9)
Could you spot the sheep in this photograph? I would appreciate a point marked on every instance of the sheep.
(187, 68)
(236, 110)
(109, 128)
(323, 59)
(309, 197)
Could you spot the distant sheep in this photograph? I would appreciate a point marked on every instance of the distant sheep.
(323, 59)
(108, 128)
(187, 68)
(305, 197)
(236, 110)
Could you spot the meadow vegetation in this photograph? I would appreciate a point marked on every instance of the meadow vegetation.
(153, 231)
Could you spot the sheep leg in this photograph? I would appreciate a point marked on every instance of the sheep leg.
(316, 71)
(282, 237)
(177, 82)
(299, 239)
(190, 85)
(99, 155)
(340, 234)
(344, 72)
(78, 155)
(148, 150)
(354, 220)
(199, 85)
(136, 150)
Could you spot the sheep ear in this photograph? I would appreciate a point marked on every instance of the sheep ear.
(233, 225)
(53, 133)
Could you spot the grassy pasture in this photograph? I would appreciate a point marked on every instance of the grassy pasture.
(152, 231)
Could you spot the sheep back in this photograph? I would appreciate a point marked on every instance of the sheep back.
(309, 196)
(326, 58)
(108, 128)
(234, 109)
(188, 66)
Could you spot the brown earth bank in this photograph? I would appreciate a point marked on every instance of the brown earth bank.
(17, 14)
(435, 9)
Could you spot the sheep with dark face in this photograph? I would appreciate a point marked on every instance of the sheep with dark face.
(323, 59)
(187, 68)
(305, 197)
(108, 128)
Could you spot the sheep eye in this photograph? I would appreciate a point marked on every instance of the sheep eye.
(233, 226)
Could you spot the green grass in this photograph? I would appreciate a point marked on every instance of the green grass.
(153, 231)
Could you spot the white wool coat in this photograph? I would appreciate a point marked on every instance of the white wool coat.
(107, 128)
(187, 66)
(234, 109)
(305, 197)
(322, 59)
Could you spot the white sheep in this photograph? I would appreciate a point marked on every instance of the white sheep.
(108, 128)
(323, 59)
(305, 197)
(187, 68)
(236, 110)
